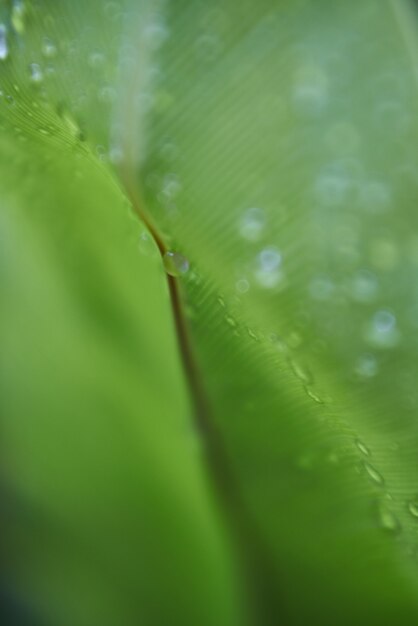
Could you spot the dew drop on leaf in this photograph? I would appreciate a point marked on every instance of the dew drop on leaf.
(301, 372)
(175, 264)
(310, 91)
(147, 245)
(252, 334)
(35, 73)
(362, 447)
(230, 321)
(116, 155)
(364, 287)
(382, 331)
(4, 50)
(252, 224)
(373, 474)
(49, 49)
(366, 366)
(413, 507)
(268, 270)
(387, 519)
(314, 396)
(242, 285)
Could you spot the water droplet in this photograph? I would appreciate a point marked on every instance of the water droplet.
(374, 474)
(366, 366)
(230, 321)
(175, 264)
(413, 507)
(171, 187)
(364, 287)
(387, 519)
(252, 224)
(147, 245)
(49, 49)
(252, 334)
(73, 126)
(18, 16)
(270, 259)
(4, 50)
(268, 273)
(382, 332)
(35, 73)
(301, 372)
(279, 343)
(221, 301)
(363, 448)
(310, 91)
(242, 285)
(314, 396)
(116, 155)
(332, 185)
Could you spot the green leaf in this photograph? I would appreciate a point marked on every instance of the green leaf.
(270, 452)
(110, 515)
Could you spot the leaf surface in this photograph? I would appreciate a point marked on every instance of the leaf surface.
(274, 145)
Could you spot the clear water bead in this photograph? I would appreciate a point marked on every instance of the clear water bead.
(374, 475)
(35, 73)
(382, 331)
(364, 287)
(363, 448)
(387, 519)
(4, 50)
(301, 372)
(49, 49)
(252, 224)
(242, 285)
(310, 91)
(366, 366)
(147, 245)
(175, 264)
(268, 271)
(413, 507)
